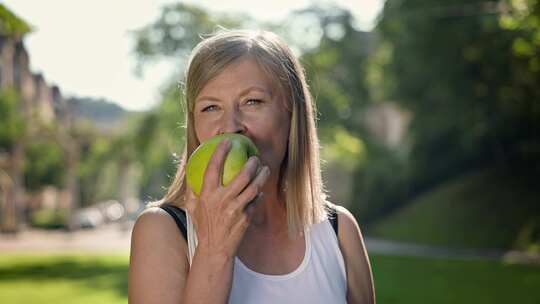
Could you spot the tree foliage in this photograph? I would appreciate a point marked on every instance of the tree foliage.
(12, 25)
(467, 71)
(12, 124)
(335, 71)
(176, 31)
(44, 165)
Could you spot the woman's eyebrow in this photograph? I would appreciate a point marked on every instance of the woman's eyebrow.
(253, 88)
(209, 98)
(242, 93)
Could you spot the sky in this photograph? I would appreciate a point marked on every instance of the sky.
(84, 47)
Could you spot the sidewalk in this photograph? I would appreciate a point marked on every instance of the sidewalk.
(116, 238)
(390, 247)
(111, 238)
(387, 246)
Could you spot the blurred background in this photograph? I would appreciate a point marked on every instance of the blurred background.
(428, 113)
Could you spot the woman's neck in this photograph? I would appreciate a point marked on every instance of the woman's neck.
(270, 213)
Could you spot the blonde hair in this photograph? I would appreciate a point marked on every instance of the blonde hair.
(300, 177)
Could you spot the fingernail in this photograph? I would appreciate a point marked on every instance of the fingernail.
(226, 142)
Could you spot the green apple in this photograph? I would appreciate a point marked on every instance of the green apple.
(242, 148)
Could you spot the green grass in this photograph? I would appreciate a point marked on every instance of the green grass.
(94, 279)
(484, 209)
(428, 280)
(63, 279)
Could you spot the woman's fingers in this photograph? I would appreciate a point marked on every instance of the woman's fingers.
(218, 210)
(248, 172)
(253, 203)
(190, 200)
(251, 191)
(214, 170)
(239, 227)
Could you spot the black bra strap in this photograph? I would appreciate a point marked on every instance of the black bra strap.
(332, 217)
(179, 216)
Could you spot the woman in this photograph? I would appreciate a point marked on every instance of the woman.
(279, 249)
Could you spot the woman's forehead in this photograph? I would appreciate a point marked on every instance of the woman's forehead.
(242, 75)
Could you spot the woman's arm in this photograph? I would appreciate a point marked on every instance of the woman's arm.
(158, 264)
(360, 287)
(159, 267)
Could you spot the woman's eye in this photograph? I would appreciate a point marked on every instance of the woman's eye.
(253, 101)
(209, 108)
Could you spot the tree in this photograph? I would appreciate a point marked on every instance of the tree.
(11, 25)
(177, 30)
(11, 152)
(11, 122)
(454, 65)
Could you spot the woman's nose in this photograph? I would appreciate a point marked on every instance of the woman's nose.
(232, 122)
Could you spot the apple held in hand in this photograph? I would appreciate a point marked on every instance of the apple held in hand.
(241, 149)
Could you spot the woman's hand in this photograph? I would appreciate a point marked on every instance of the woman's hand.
(219, 214)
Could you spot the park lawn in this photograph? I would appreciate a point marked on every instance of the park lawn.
(94, 279)
(485, 209)
(62, 279)
(400, 279)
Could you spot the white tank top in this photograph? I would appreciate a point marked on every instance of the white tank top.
(320, 278)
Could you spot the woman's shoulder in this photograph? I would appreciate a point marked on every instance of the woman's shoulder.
(356, 258)
(153, 218)
(155, 227)
(341, 211)
(349, 230)
(158, 257)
